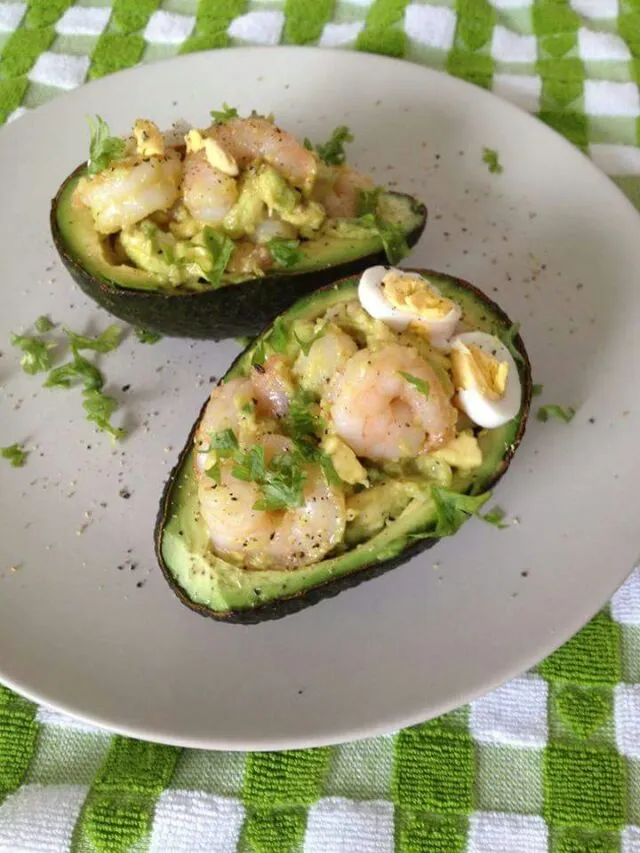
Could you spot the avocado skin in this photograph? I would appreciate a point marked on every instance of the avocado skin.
(286, 606)
(236, 310)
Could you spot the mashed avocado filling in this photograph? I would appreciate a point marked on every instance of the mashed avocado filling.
(389, 506)
(270, 224)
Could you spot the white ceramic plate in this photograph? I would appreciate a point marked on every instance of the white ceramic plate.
(551, 239)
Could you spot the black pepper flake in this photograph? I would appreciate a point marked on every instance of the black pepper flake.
(126, 387)
(124, 493)
(140, 584)
(592, 420)
(525, 574)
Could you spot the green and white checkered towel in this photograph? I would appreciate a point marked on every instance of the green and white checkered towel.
(549, 761)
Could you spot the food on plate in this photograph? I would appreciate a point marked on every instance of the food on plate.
(212, 232)
(359, 428)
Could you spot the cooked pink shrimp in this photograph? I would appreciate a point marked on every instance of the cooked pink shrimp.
(339, 191)
(128, 191)
(251, 139)
(208, 193)
(381, 414)
(283, 539)
(272, 386)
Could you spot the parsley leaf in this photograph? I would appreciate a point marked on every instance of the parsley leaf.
(332, 152)
(15, 454)
(226, 113)
(72, 371)
(104, 342)
(251, 466)
(536, 390)
(305, 346)
(285, 252)
(553, 411)
(282, 484)
(225, 442)
(103, 148)
(368, 201)
(220, 248)
(393, 237)
(44, 324)
(213, 472)
(490, 157)
(302, 421)
(147, 337)
(36, 357)
(452, 510)
(278, 338)
(421, 384)
(98, 409)
(394, 241)
(495, 516)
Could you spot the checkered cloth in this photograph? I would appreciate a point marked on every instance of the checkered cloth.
(549, 761)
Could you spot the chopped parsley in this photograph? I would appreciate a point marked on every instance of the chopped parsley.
(495, 516)
(98, 409)
(259, 354)
(452, 510)
(557, 412)
(44, 324)
(224, 442)
(103, 148)
(220, 249)
(36, 353)
(213, 472)
(368, 201)
(147, 337)
(421, 384)
(490, 157)
(393, 237)
(104, 342)
(251, 466)
(77, 370)
(536, 390)
(301, 420)
(332, 152)
(15, 454)
(282, 484)
(225, 114)
(285, 253)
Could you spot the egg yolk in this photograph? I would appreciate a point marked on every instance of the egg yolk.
(414, 294)
(474, 368)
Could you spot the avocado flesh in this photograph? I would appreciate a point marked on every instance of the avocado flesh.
(242, 307)
(217, 588)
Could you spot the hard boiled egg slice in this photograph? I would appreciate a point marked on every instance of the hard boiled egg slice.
(486, 379)
(401, 299)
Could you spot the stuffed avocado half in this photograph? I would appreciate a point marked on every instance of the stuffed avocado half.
(211, 233)
(367, 422)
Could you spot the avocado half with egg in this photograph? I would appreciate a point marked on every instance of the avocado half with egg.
(393, 509)
(244, 303)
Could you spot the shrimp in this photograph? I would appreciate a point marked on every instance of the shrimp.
(339, 191)
(249, 259)
(256, 138)
(325, 357)
(130, 190)
(208, 193)
(223, 411)
(272, 386)
(283, 539)
(381, 414)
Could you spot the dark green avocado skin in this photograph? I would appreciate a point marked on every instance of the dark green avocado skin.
(236, 310)
(286, 606)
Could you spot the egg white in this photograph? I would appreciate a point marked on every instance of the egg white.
(483, 412)
(373, 300)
